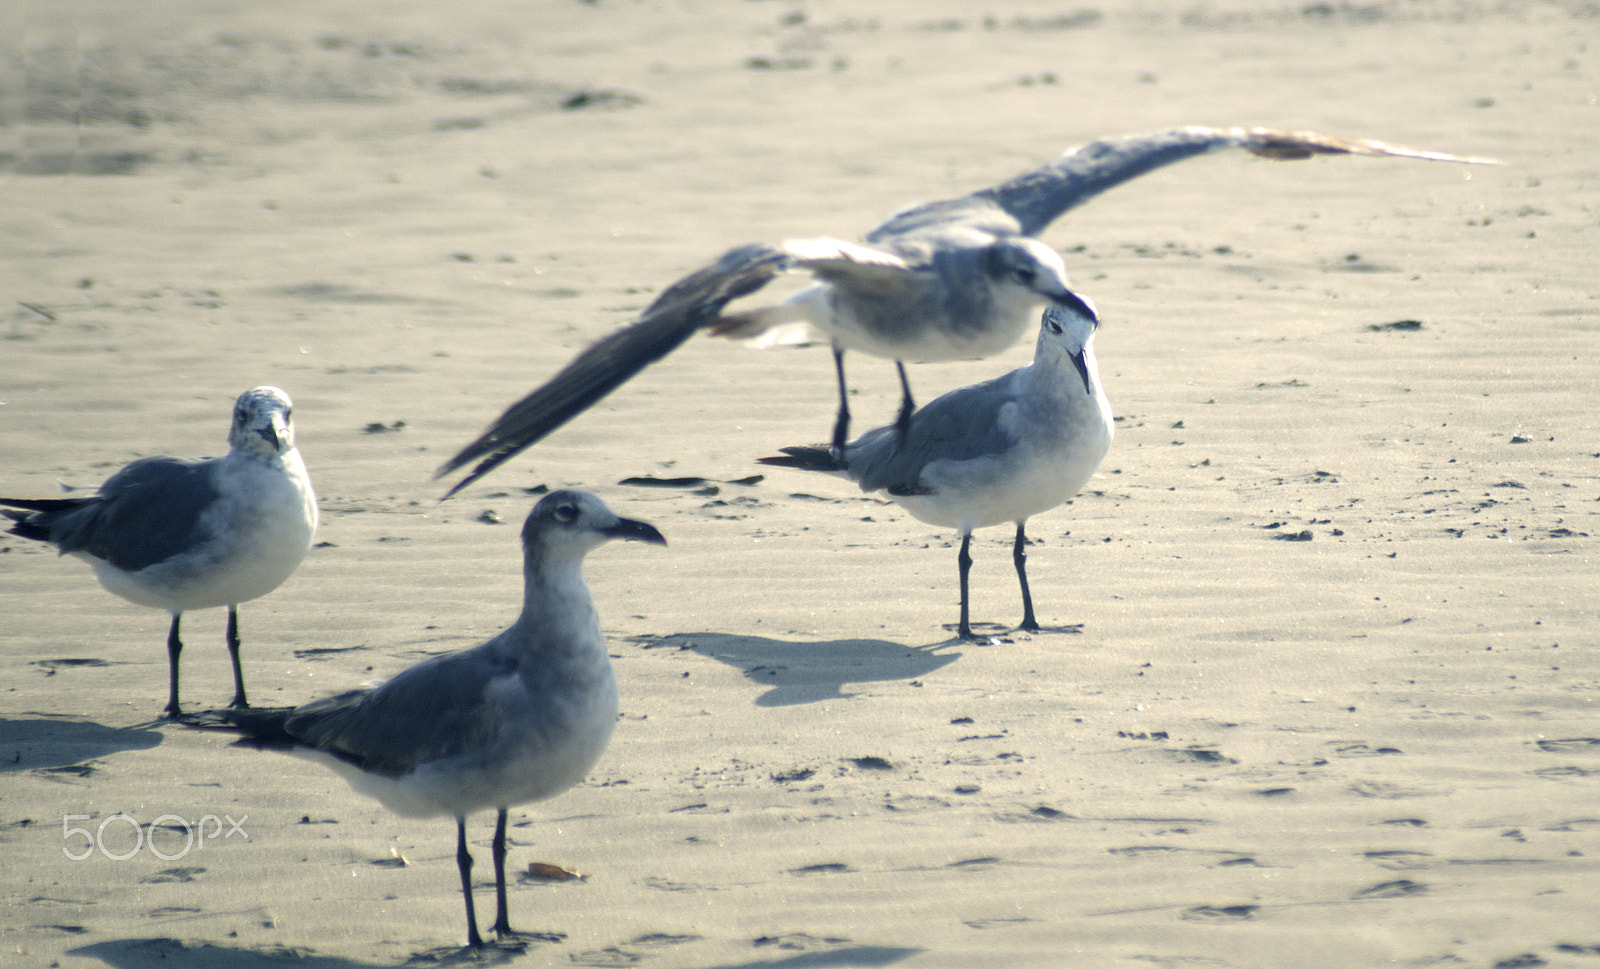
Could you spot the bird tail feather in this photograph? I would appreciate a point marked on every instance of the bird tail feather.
(264, 728)
(816, 457)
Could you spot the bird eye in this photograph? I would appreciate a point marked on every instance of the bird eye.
(1024, 275)
(1053, 325)
(565, 513)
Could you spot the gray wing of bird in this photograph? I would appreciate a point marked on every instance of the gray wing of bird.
(959, 426)
(686, 306)
(146, 513)
(432, 710)
(1030, 202)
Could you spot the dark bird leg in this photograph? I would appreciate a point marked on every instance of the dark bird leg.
(1019, 555)
(502, 924)
(174, 647)
(841, 424)
(464, 862)
(964, 560)
(908, 406)
(239, 702)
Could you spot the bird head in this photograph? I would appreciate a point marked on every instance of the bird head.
(577, 522)
(1068, 327)
(262, 422)
(1028, 268)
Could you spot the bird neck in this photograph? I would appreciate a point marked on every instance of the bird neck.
(265, 456)
(1055, 374)
(556, 607)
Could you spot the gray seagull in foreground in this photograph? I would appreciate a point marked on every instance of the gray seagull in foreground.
(519, 719)
(950, 280)
(179, 534)
(1000, 451)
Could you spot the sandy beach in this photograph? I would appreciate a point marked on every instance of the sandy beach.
(1318, 681)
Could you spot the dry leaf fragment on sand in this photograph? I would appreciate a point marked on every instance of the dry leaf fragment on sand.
(555, 873)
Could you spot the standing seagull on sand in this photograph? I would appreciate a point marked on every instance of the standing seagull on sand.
(995, 452)
(179, 534)
(519, 719)
(950, 280)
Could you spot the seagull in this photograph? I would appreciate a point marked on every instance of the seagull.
(180, 534)
(1000, 451)
(518, 719)
(955, 279)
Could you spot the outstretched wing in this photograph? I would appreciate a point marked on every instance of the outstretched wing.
(850, 265)
(1030, 202)
(677, 313)
(862, 272)
(1024, 205)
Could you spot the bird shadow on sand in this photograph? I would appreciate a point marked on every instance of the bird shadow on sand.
(808, 672)
(846, 957)
(66, 743)
(169, 953)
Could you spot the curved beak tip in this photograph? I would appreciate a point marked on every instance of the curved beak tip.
(630, 530)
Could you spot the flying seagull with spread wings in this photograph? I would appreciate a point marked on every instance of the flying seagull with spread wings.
(950, 280)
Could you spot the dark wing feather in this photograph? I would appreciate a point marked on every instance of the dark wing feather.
(144, 514)
(957, 426)
(975, 211)
(261, 727)
(34, 522)
(1041, 196)
(814, 457)
(432, 710)
(685, 307)
(1030, 202)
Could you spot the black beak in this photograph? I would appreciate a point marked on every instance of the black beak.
(271, 437)
(1082, 366)
(635, 531)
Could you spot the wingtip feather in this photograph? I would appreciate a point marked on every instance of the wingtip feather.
(1298, 145)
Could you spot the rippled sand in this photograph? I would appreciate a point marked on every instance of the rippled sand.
(1319, 683)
